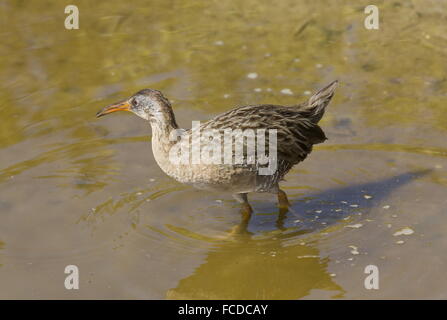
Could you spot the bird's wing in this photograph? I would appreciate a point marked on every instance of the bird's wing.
(295, 134)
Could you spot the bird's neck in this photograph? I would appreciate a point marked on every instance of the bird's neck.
(163, 123)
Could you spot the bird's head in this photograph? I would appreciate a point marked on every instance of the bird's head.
(148, 104)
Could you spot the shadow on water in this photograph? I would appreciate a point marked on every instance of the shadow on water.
(321, 210)
(287, 265)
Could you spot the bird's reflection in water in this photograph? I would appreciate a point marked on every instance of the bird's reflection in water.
(257, 269)
(287, 265)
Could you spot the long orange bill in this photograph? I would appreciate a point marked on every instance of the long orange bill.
(120, 106)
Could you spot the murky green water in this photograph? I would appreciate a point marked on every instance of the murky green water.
(82, 191)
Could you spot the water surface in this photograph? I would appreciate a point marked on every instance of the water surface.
(78, 190)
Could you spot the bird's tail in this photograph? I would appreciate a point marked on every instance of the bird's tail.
(316, 104)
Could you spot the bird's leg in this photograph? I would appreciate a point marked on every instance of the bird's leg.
(283, 205)
(242, 199)
(246, 211)
(283, 202)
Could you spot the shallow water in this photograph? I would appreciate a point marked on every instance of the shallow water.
(82, 191)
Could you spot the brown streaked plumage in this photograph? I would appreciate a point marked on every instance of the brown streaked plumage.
(296, 126)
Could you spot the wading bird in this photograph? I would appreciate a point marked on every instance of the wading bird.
(296, 128)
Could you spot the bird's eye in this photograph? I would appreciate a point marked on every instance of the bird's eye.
(134, 102)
